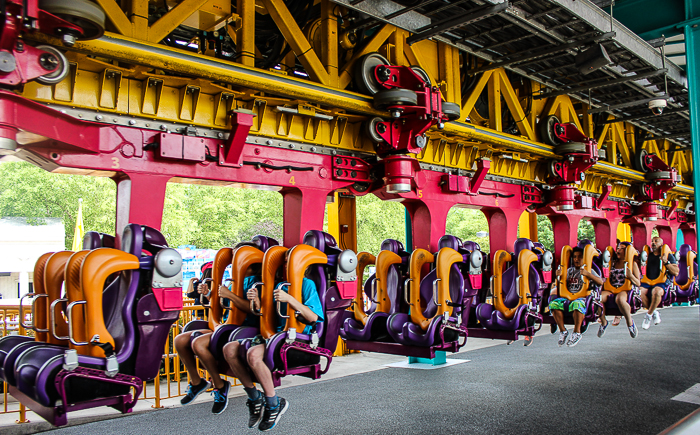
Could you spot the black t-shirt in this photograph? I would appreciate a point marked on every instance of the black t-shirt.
(654, 265)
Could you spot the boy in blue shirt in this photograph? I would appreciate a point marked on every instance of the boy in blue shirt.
(266, 411)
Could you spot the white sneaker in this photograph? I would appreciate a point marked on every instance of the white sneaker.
(657, 317)
(647, 321)
(562, 338)
(574, 339)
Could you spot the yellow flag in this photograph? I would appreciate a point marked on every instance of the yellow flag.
(79, 231)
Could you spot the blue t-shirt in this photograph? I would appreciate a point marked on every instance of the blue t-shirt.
(250, 319)
(309, 297)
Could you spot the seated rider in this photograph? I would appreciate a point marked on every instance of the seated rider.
(195, 288)
(617, 279)
(266, 410)
(652, 295)
(200, 348)
(574, 283)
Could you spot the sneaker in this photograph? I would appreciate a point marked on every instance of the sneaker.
(601, 330)
(647, 321)
(574, 339)
(528, 340)
(220, 398)
(193, 391)
(562, 338)
(633, 330)
(255, 408)
(657, 317)
(272, 416)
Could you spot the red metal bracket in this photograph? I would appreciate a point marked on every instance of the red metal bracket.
(607, 189)
(231, 153)
(579, 151)
(351, 169)
(532, 195)
(624, 208)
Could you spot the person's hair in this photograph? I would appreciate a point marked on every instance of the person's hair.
(575, 250)
(614, 256)
(256, 269)
(206, 274)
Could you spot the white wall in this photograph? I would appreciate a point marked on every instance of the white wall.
(21, 245)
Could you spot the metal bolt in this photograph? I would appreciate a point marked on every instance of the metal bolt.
(395, 113)
(313, 149)
(98, 117)
(334, 152)
(441, 125)
(269, 142)
(163, 127)
(68, 39)
(220, 135)
(291, 145)
(146, 313)
(132, 122)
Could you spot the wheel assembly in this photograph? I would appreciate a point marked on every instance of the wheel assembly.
(420, 72)
(452, 110)
(84, 14)
(640, 161)
(53, 57)
(546, 130)
(365, 80)
(372, 128)
(394, 97)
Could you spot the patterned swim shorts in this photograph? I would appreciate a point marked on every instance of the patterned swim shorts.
(578, 305)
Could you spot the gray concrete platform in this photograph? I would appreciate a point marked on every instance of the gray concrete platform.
(614, 385)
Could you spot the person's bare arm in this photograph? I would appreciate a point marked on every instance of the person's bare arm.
(671, 268)
(634, 274)
(282, 296)
(592, 277)
(238, 302)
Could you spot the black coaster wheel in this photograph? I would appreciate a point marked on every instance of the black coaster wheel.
(452, 110)
(394, 97)
(364, 78)
(420, 72)
(639, 158)
(546, 130)
(84, 14)
(53, 57)
(371, 129)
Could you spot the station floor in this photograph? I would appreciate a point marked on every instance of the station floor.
(614, 385)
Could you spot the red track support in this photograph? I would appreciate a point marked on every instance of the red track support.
(503, 228)
(303, 211)
(140, 199)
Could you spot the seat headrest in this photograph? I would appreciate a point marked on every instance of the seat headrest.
(684, 249)
(448, 241)
(263, 242)
(132, 239)
(520, 244)
(584, 242)
(471, 246)
(538, 245)
(93, 240)
(392, 245)
(153, 240)
(324, 242)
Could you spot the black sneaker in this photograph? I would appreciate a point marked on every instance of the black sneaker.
(193, 391)
(272, 416)
(220, 398)
(255, 407)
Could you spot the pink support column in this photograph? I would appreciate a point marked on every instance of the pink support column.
(641, 234)
(668, 234)
(428, 221)
(565, 228)
(690, 236)
(303, 211)
(140, 199)
(605, 233)
(503, 228)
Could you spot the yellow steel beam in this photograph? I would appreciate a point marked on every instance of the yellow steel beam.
(296, 39)
(139, 18)
(514, 106)
(329, 42)
(169, 22)
(495, 121)
(245, 34)
(117, 16)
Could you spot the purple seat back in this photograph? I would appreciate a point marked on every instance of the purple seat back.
(471, 246)
(392, 245)
(94, 240)
(263, 242)
(682, 277)
(520, 244)
(448, 241)
(584, 242)
(456, 290)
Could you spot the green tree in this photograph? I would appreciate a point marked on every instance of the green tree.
(465, 223)
(378, 220)
(28, 191)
